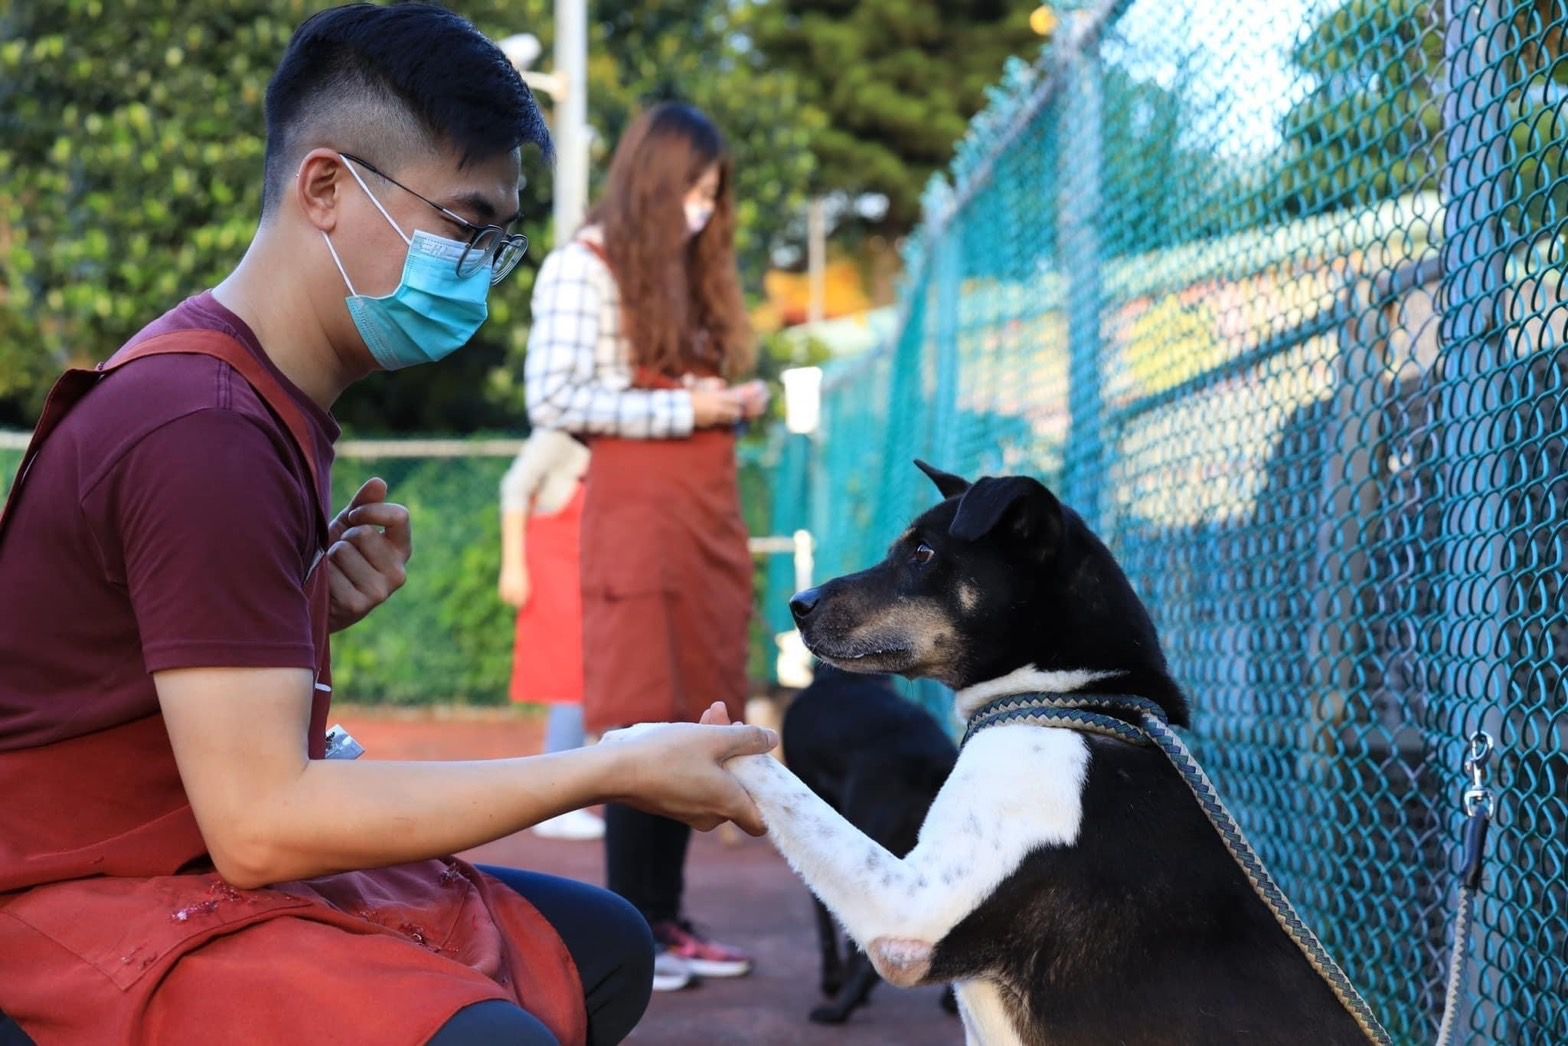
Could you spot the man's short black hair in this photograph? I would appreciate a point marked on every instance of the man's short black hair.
(390, 82)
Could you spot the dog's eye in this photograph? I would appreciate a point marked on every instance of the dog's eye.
(923, 554)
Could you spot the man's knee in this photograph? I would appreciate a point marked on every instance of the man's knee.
(493, 1023)
(11, 1033)
(619, 983)
(609, 941)
(626, 925)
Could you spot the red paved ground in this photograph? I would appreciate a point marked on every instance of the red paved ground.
(737, 888)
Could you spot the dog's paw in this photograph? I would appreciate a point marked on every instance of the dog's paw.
(901, 961)
(829, 1015)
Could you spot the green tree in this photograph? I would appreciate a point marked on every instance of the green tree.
(694, 51)
(896, 81)
(1372, 126)
(131, 142)
(699, 52)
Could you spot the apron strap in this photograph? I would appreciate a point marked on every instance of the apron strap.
(66, 393)
(74, 385)
(598, 248)
(227, 348)
(283, 405)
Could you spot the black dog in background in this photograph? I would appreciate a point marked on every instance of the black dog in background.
(878, 759)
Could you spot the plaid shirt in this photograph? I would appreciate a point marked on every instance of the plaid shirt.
(578, 371)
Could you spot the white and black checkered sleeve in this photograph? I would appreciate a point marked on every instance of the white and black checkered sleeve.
(576, 373)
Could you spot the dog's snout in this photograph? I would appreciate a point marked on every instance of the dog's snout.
(804, 603)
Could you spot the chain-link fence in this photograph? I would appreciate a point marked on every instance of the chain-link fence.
(1272, 293)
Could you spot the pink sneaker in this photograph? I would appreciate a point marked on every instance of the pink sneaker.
(706, 958)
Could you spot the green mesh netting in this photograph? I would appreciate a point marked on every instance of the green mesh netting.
(1272, 293)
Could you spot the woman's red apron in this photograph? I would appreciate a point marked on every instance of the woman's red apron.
(667, 578)
(547, 657)
(114, 929)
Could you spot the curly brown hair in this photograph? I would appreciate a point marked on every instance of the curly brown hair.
(680, 295)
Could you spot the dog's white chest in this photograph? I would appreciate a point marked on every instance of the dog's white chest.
(1015, 788)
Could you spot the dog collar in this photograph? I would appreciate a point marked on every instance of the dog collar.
(1086, 712)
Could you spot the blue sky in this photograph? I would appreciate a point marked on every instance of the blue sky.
(1232, 57)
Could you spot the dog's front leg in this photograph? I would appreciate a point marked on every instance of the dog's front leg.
(865, 886)
(1015, 788)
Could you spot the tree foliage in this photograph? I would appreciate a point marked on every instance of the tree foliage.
(131, 142)
(895, 80)
(1372, 126)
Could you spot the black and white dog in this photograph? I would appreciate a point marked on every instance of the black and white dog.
(879, 760)
(1068, 882)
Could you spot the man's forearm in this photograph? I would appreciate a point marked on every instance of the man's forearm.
(269, 814)
(339, 815)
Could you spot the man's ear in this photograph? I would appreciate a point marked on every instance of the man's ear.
(950, 485)
(1030, 512)
(318, 186)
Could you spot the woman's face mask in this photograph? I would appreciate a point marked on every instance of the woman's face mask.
(698, 216)
(700, 200)
(432, 313)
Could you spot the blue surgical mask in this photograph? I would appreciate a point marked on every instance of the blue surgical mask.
(432, 313)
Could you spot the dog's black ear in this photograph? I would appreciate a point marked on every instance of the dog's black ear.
(1031, 512)
(950, 485)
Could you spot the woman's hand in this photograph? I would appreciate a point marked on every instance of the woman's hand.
(676, 770)
(712, 407)
(515, 586)
(754, 397)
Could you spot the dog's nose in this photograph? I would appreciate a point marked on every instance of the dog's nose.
(804, 603)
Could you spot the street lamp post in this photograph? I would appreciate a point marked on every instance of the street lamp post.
(567, 87)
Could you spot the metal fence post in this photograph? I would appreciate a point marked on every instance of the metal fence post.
(1085, 484)
(1473, 667)
(948, 275)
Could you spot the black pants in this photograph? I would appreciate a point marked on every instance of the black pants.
(609, 942)
(645, 860)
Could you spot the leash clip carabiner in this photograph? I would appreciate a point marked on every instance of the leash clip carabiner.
(1478, 797)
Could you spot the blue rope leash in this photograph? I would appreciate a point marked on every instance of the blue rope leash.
(1084, 712)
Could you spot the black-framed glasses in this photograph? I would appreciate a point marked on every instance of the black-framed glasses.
(487, 244)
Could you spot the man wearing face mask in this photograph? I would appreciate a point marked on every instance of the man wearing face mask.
(184, 857)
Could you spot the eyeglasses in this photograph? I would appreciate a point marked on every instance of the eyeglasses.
(487, 244)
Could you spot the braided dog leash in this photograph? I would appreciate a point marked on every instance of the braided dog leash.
(1477, 806)
(1081, 712)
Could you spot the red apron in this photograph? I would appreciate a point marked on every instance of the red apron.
(667, 576)
(547, 654)
(114, 929)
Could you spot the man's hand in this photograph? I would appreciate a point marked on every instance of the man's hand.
(369, 546)
(677, 770)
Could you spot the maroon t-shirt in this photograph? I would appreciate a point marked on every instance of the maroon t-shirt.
(167, 523)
